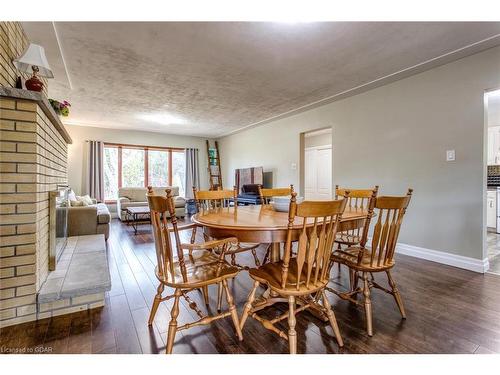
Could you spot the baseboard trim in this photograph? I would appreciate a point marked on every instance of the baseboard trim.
(471, 264)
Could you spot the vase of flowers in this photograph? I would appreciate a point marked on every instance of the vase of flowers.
(61, 108)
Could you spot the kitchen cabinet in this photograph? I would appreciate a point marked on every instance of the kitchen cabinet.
(491, 209)
(494, 145)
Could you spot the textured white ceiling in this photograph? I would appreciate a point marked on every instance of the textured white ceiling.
(209, 79)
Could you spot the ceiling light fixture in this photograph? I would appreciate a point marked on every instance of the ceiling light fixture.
(161, 118)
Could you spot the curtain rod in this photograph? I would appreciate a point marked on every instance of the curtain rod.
(140, 146)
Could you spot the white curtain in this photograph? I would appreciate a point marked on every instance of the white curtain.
(192, 171)
(95, 174)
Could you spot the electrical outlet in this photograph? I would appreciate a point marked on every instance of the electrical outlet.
(450, 155)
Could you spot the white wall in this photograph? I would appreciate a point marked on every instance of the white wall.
(396, 136)
(80, 134)
(318, 140)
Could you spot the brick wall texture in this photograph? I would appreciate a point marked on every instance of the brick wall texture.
(33, 160)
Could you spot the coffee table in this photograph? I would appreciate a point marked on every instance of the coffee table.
(138, 215)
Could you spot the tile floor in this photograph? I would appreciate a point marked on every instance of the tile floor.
(493, 243)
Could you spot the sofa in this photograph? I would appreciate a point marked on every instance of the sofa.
(92, 219)
(136, 197)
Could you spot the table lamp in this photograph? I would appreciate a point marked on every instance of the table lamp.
(34, 59)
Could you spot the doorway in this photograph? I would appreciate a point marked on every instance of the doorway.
(317, 164)
(492, 99)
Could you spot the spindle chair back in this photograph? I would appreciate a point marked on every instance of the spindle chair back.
(267, 194)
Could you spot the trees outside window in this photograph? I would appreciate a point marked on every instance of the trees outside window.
(140, 166)
(132, 167)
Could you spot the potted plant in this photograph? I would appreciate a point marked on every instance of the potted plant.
(61, 108)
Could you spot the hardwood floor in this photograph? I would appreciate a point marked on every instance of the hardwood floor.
(449, 311)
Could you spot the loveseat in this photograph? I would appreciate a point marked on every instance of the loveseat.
(136, 197)
(92, 219)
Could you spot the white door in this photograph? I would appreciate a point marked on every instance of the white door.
(318, 173)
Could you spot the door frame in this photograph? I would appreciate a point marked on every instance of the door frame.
(485, 179)
(302, 142)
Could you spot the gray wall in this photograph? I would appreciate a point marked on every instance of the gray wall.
(396, 136)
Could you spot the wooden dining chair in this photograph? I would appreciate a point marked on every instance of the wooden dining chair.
(302, 278)
(202, 266)
(359, 199)
(214, 199)
(364, 261)
(265, 196)
(217, 199)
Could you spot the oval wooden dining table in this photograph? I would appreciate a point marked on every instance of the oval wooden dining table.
(262, 224)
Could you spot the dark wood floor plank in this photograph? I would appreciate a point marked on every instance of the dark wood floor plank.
(103, 335)
(123, 326)
(149, 338)
(80, 334)
(58, 333)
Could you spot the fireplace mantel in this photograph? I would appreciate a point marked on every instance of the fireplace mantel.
(43, 103)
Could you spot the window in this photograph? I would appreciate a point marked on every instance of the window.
(132, 167)
(158, 167)
(140, 166)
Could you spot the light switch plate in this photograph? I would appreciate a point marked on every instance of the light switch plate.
(294, 166)
(450, 155)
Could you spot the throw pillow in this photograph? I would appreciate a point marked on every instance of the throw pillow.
(87, 201)
(76, 203)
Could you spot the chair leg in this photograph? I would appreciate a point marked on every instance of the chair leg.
(355, 284)
(219, 297)
(292, 334)
(266, 256)
(255, 257)
(368, 304)
(156, 303)
(204, 290)
(332, 319)
(396, 294)
(351, 279)
(172, 326)
(232, 310)
(248, 305)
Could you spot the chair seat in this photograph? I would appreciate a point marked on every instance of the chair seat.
(270, 274)
(349, 257)
(347, 239)
(201, 268)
